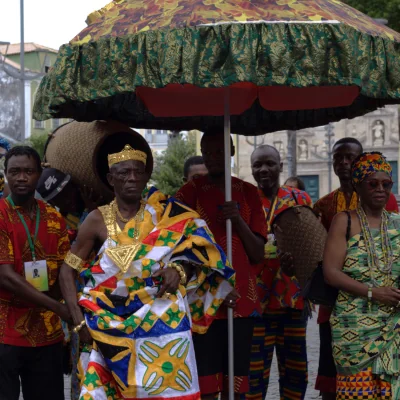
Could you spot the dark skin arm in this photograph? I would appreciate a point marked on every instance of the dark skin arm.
(334, 257)
(16, 284)
(252, 242)
(88, 234)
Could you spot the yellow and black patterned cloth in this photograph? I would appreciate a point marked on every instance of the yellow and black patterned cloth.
(364, 338)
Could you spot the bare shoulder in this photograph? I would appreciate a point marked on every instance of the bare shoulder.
(93, 223)
(340, 221)
(95, 217)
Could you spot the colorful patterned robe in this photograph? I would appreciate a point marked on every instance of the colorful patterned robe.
(142, 344)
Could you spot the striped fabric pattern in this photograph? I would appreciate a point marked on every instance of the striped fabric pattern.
(284, 330)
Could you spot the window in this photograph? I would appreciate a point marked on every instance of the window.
(56, 123)
(47, 64)
(39, 124)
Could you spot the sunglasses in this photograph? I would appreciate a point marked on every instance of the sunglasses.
(373, 184)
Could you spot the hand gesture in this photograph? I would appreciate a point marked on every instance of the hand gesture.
(170, 280)
(230, 210)
(287, 264)
(231, 299)
(386, 295)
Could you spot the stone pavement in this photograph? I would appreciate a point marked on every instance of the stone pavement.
(273, 392)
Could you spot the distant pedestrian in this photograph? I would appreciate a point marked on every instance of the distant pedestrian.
(4, 148)
(33, 244)
(295, 182)
(194, 168)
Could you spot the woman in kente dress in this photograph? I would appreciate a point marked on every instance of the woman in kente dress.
(366, 268)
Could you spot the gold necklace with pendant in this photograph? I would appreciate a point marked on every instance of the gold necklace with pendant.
(123, 255)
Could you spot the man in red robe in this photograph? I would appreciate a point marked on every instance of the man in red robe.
(206, 196)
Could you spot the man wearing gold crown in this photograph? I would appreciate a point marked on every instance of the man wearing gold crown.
(158, 274)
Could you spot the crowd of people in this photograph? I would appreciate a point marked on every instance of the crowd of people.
(130, 298)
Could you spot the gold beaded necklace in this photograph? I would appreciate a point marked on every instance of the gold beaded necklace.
(136, 218)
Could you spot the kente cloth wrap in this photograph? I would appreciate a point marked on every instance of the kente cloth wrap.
(364, 385)
(142, 344)
(207, 198)
(368, 164)
(361, 338)
(327, 207)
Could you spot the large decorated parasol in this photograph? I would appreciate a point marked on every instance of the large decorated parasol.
(289, 64)
(259, 65)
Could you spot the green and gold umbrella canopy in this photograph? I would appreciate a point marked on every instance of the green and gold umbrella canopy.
(289, 64)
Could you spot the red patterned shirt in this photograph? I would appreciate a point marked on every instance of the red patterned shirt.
(204, 197)
(21, 323)
(276, 289)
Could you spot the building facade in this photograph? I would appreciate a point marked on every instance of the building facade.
(377, 131)
(38, 60)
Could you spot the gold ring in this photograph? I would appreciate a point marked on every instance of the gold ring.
(166, 296)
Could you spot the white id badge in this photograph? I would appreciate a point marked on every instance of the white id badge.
(36, 274)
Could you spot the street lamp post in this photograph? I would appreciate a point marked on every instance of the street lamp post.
(22, 62)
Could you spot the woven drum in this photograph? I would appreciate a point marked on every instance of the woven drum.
(298, 231)
(80, 149)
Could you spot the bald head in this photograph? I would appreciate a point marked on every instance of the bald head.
(266, 149)
(266, 167)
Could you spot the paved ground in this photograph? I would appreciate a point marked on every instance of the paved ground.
(273, 392)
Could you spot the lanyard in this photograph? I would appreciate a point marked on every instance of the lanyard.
(271, 212)
(28, 234)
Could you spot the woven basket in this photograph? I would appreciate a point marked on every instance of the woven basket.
(80, 149)
(298, 231)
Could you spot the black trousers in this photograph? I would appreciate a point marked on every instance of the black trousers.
(39, 370)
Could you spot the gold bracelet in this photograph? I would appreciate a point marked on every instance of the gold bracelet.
(74, 261)
(180, 271)
(79, 327)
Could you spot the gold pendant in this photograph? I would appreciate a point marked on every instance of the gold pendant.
(123, 255)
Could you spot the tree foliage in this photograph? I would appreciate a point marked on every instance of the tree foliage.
(386, 9)
(168, 170)
(38, 142)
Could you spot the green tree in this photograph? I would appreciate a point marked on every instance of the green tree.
(168, 169)
(386, 9)
(38, 142)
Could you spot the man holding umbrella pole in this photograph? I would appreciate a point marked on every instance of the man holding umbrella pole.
(206, 195)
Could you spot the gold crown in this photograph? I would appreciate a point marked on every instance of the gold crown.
(126, 154)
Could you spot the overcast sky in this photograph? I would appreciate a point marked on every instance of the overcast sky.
(47, 22)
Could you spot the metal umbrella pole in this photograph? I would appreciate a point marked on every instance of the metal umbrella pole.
(228, 197)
